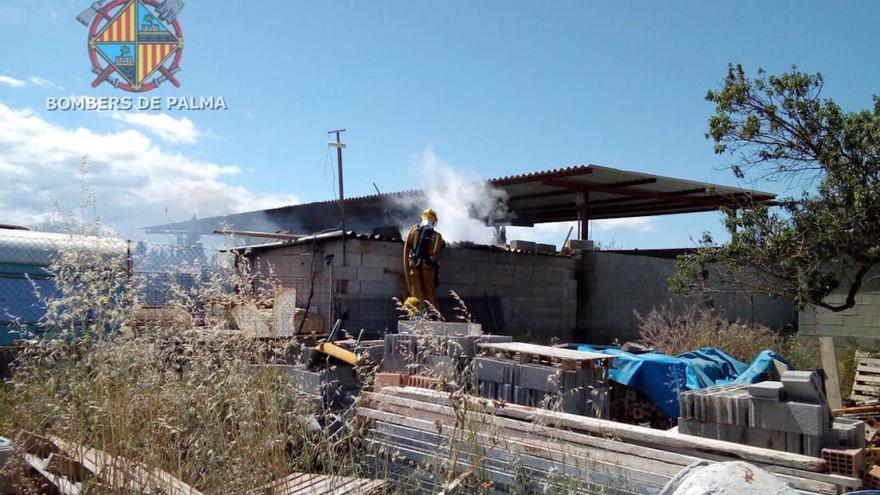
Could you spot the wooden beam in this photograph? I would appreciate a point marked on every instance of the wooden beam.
(613, 429)
(829, 364)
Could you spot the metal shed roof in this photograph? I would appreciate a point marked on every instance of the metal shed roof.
(552, 195)
(532, 198)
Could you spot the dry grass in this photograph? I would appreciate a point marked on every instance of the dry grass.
(673, 331)
(203, 404)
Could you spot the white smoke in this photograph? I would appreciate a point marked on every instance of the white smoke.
(462, 200)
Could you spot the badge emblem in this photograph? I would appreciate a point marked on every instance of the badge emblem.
(134, 45)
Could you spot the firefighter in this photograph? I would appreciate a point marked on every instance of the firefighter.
(420, 251)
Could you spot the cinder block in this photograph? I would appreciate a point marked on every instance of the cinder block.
(376, 261)
(526, 246)
(803, 386)
(545, 248)
(493, 370)
(371, 274)
(579, 245)
(792, 417)
(440, 366)
(538, 377)
(767, 390)
(306, 382)
(444, 328)
(846, 433)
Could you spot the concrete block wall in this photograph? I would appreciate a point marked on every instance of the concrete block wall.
(614, 286)
(859, 325)
(537, 293)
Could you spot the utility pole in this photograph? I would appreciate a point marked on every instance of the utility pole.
(339, 147)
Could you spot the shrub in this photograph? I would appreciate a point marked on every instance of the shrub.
(672, 331)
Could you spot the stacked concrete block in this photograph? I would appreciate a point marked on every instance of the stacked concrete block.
(790, 415)
(545, 249)
(536, 385)
(525, 246)
(335, 387)
(445, 355)
(442, 328)
(494, 378)
(846, 433)
(578, 245)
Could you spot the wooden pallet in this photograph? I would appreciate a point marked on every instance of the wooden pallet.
(866, 386)
(316, 484)
(567, 359)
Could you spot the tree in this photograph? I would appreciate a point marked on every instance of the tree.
(778, 128)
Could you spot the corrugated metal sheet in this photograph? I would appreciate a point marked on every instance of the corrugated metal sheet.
(535, 197)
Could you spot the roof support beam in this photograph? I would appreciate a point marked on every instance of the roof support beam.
(670, 197)
(550, 194)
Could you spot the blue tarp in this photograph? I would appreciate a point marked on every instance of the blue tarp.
(661, 378)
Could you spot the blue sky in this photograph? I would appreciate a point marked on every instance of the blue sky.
(490, 88)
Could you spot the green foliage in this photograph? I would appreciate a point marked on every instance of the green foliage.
(778, 128)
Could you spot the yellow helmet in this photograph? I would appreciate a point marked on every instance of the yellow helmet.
(429, 215)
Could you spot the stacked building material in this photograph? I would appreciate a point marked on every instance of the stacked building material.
(434, 348)
(791, 415)
(429, 441)
(540, 376)
(332, 387)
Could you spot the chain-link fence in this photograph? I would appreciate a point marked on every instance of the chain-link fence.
(158, 272)
(284, 304)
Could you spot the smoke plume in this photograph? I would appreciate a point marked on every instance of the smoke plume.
(465, 204)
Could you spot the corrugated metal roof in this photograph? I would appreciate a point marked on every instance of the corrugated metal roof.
(534, 197)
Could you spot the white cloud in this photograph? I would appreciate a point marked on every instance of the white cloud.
(637, 224)
(44, 83)
(137, 183)
(31, 81)
(12, 82)
(162, 125)
(554, 233)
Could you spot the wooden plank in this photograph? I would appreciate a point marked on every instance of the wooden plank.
(122, 473)
(829, 364)
(868, 378)
(559, 437)
(546, 351)
(592, 471)
(316, 484)
(637, 434)
(870, 389)
(63, 485)
(847, 482)
(532, 432)
(543, 446)
(869, 361)
(556, 444)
